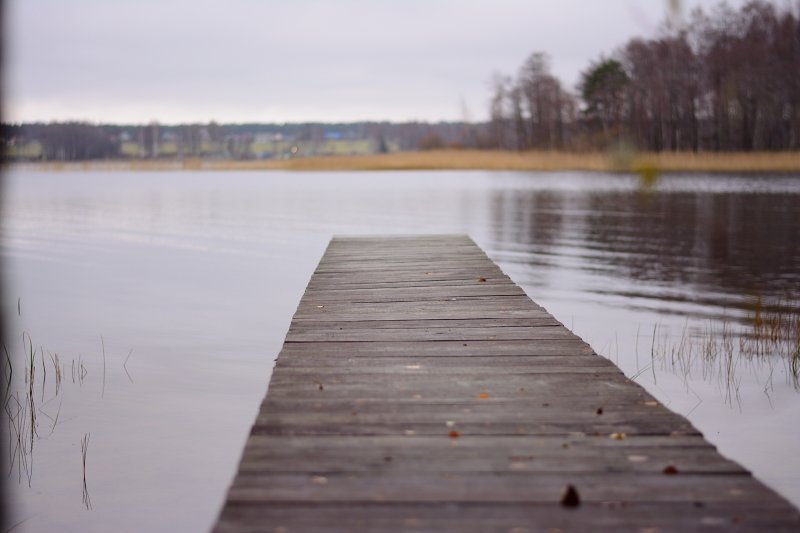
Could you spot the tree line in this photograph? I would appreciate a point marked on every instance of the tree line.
(78, 141)
(725, 80)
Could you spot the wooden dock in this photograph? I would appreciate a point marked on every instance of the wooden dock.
(420, 389)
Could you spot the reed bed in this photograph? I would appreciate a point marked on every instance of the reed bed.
(34, 381)
(458, 160)
(87, 500)
(705, 162)
(29, 410)
(719, 162)
(722, 352)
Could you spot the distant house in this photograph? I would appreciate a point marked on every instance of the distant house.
(268, 137)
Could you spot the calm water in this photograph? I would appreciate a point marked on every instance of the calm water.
(181, 285)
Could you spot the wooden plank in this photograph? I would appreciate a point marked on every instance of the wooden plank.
(513, 448)
(487, 487)
(566, 347)
(403, 294)
(454, 309)
(319, 367)
(513, 385)
(504, 454)
(420, 389)
(604, 516)
(358, 283)
(422, 264)
(465, 275)
(544, 332)
(543, 319)
(552, 427)
(496, 364)
(464, 312)
(443, 307)
(436, 413)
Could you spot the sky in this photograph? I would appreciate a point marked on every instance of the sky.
(173, 61)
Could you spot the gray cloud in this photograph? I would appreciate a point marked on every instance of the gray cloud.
(241, 60)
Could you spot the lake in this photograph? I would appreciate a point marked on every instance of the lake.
(156, 302)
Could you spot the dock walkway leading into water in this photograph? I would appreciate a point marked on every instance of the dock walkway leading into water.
(420, 389)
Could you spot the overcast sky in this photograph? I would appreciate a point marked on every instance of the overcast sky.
(174, 61)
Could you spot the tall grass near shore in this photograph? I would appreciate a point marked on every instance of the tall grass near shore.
(34, 382)
(723, 352)
(31, 407)
(705, 162)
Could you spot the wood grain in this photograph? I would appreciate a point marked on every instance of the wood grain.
(420, 389)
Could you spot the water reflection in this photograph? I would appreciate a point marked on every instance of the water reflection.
(720, 251)
(200, 273)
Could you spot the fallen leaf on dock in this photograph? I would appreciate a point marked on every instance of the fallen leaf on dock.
(483, 396)
(570, 497)
(617, 436)
(453, 434)
(670, 470)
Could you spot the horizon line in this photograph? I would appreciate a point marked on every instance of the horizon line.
(5, 122)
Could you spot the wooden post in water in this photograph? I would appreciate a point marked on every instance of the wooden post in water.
(420, 389)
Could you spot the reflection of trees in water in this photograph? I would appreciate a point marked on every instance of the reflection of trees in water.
(736, 243)
(725, 242)
(528, 218)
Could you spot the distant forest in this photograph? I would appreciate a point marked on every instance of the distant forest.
(78, 141)
(726, 80)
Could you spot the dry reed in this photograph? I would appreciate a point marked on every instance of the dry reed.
(87, 501)
(721, 352)
(642, 163)
(21, 410)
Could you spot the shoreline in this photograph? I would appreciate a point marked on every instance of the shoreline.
(642, 163)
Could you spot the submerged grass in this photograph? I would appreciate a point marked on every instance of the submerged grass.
(722, 352)
(87, 501)
(20, 408)
(26, 397)
(644, 164)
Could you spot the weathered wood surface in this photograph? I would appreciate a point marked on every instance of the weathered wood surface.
(419, 389)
